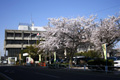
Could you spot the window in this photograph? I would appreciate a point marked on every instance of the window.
(13, 42)
(33, 42)
(10, 34)
(17, 34)
(33, 35)
(26, 34)
(14, 52)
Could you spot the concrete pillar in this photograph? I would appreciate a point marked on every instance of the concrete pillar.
(5, 52)
(4, 47)
(22, 35)
(14, 35)
(22, 39)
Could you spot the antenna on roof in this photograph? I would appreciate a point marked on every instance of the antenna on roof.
(32, 21)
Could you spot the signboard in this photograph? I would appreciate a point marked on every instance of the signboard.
(12, 60)
(54, 56)
(36, 62)
(39, 57)
(104, 50)
(25, 54)
(29, 60)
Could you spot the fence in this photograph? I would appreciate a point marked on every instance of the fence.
(103, 68)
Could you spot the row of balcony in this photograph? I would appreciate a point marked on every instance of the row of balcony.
(17, 45)
(13, 34)
(20, 38)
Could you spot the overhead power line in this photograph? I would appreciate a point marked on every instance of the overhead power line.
(105, 9)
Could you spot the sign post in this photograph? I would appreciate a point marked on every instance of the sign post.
(105, 51)
(54, 56)
(105, 56)
(39, 58)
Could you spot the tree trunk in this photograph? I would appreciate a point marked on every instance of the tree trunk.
(71, 57)
(45, 58)
(70, 62)
(49, 58)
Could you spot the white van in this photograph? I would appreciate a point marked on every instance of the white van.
(117, 63)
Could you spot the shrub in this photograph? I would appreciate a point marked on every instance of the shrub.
(58, 65)
(91, 54)
(101, 63)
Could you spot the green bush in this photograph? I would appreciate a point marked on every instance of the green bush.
(58, 65)
(91, 54)
(101, 63)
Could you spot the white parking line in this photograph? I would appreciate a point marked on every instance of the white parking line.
(47, 75)
(8, 78)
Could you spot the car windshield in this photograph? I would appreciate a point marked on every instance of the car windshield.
(114, 58)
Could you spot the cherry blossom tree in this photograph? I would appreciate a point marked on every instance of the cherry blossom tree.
(68, 33)
(107, 31)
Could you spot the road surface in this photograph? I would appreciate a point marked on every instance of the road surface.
(37, 73)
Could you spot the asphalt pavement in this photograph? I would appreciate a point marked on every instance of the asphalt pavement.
(41, 73)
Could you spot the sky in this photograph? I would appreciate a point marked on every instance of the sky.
(13, 12)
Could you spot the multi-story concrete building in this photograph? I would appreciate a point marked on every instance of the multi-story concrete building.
(17, 40)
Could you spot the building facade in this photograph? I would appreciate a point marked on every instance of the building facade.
(17, 40)
(26, 35)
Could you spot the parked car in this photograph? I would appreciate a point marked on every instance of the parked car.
(4, 62)
(117, 63)
(81, 60)
(114, 58)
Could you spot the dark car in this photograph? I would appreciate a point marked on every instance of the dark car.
(114, 58)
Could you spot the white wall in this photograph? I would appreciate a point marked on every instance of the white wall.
(23, 27)
(33, 28)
